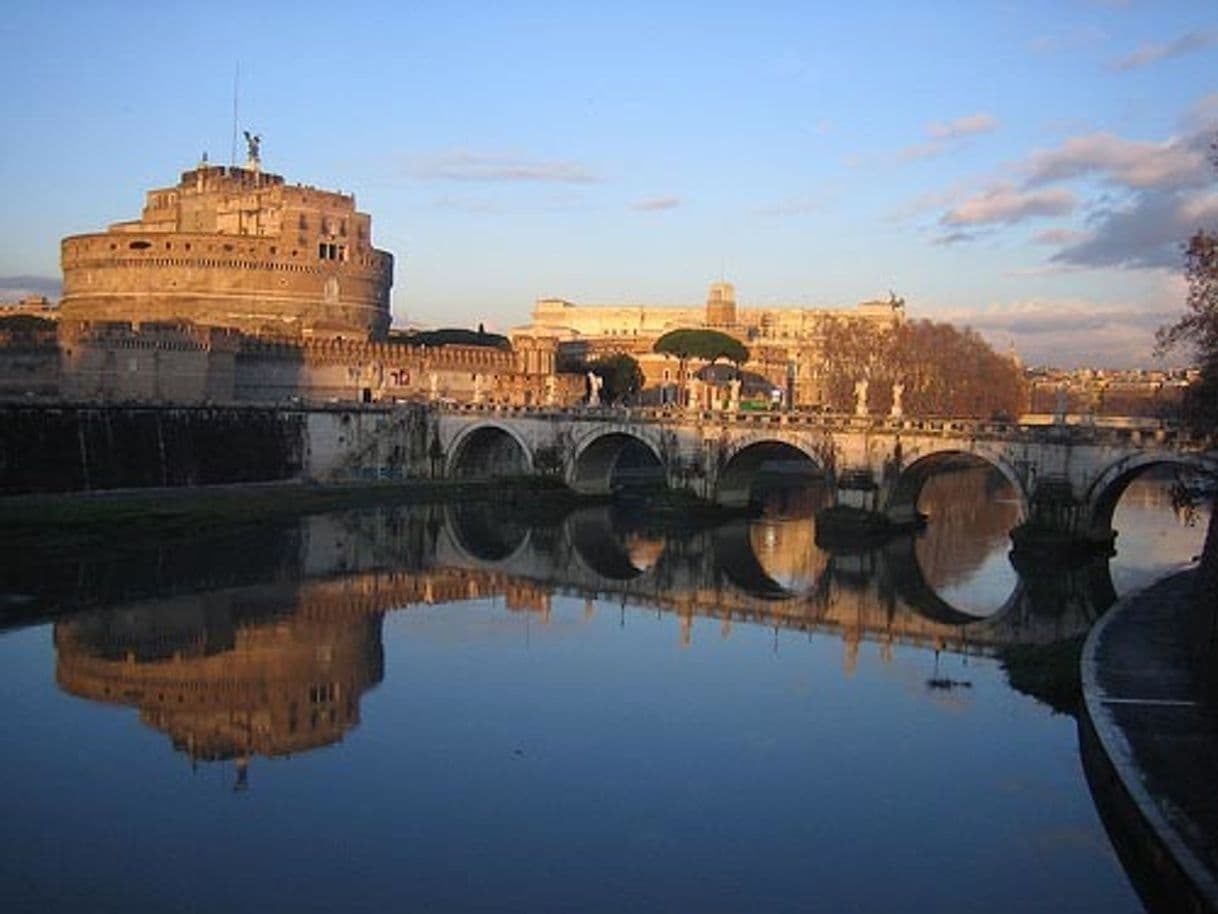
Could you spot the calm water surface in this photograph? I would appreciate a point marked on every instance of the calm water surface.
(443, 709)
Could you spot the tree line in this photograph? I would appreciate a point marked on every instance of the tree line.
(943, 370)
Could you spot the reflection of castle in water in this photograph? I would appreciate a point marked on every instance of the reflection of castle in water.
(272, 669)
(263, 671)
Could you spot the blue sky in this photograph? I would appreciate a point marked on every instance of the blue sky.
(1027, 168)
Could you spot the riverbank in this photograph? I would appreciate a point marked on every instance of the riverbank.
(75, 519)
(1150, 744)
(123, 517)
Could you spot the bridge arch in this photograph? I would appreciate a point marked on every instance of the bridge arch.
(488, 449)
(1106, 491)
(901, 501)
(742, 462)
(597, 457)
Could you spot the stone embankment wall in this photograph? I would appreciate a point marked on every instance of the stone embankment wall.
(69, 448)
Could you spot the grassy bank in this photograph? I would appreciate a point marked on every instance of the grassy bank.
(79, 519)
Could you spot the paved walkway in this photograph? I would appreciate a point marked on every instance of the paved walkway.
(1157, 741)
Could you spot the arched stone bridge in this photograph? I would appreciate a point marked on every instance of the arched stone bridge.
(1068, 477)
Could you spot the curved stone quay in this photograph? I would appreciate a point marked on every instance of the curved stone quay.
(1150, 744)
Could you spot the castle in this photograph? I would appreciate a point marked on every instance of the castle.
(234, 286)
(235, 247)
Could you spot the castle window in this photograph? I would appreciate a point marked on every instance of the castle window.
(139, 245)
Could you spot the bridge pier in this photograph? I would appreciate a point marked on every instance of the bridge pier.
(1060, 524)
(863, 511)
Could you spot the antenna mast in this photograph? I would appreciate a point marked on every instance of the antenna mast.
(232, 157)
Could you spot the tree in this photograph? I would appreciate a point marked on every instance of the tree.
(621, 376)
(457, 336)
(944, 370)
(708, 345)
(1198, 329)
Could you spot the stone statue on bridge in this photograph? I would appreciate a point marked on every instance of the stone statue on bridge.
(860, 397)
(595, 382)
(695, 393)
(897, 411)
(733, 398)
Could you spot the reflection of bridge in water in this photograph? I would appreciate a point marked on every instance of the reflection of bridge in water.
(726, 573)
(275, 668)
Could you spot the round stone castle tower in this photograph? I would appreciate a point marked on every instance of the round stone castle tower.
(235, 247)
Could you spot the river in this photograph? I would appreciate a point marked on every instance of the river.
(443, 708)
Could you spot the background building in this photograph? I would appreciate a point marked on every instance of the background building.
(787, 345)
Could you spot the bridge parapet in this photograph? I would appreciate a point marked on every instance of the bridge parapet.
(1104, 430)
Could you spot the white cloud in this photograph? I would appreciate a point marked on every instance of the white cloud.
(1060, 236)
(1175, 163)
(927, 150)
(1154, 53)
(656, 204)
(1069, 40)
(1149, 198)
(955, 238)
(463, 165)
(1146, 233)
(970, 125)
(1004, 204)
(1075, 332)
(943, 135)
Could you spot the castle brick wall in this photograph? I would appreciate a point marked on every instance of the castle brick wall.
(235, 247)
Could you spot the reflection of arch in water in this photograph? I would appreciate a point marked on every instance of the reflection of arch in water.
(1105, 493)
(746, 460)
(901, 557)
(736, 558)
(903, 498)
(484, 536)
(487, 450)
(598, 547)
(608, 460)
